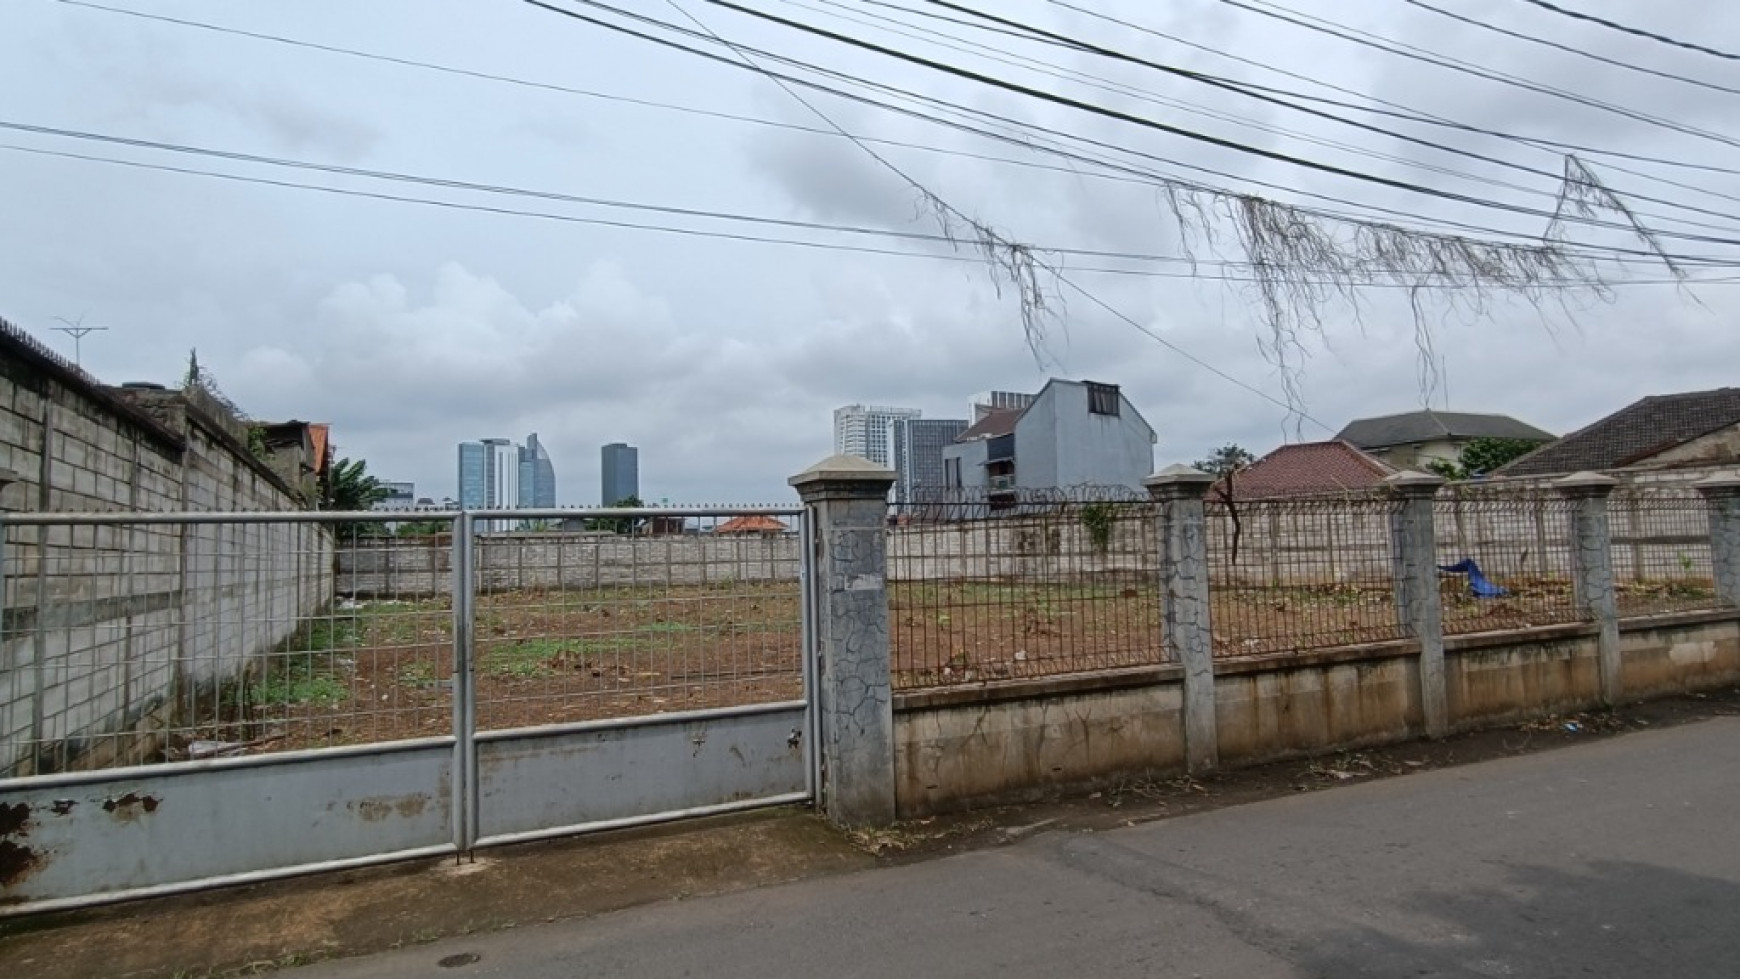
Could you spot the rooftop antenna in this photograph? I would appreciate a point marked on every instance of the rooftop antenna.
(78, 331)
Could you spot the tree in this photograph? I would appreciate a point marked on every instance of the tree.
(348, 486)
(1482, 456)
(618, 525)
(1226, 463)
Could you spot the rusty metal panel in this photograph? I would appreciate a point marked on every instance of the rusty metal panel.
(148, 829)
(541, 780)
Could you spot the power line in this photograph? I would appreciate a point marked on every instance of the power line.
(1634, 31)
(1651, 253)
(1324, 25)
(1117, 172)
(1291, 409)
(1396, 110)
(1170, 129)
(828, 246)
(1053, 70)
(1131, 174)
(1570, 49)
(1223, 85)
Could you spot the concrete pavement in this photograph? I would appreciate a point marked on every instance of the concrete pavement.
(1614, 858)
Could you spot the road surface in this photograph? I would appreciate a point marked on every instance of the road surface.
(1616, 858)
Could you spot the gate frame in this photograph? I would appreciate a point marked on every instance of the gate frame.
(464, 805)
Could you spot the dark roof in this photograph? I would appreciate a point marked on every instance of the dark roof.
(1634, 433)
(999, 422)
(1308, 469)
(1429, 426)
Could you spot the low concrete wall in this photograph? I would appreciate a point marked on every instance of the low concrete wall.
(1017, 741)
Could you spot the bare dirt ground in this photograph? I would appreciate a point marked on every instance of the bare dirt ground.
(381, 671)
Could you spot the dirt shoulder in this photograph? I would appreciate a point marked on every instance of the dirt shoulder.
(247, 930)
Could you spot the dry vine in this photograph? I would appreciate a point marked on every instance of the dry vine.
(1300, 261)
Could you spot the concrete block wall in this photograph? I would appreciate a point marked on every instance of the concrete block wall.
(422, 566)
(1055, 547)
(101, 624)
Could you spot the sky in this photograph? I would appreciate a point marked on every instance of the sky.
(413, 325)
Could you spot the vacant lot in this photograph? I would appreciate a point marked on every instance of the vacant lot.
(382, 670)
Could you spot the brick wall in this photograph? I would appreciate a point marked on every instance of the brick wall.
(103, 626)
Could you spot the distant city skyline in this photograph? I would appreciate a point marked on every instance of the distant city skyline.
(867, 431)
(619, 473)
(918, 455)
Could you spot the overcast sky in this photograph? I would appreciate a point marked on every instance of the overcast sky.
(412, 327)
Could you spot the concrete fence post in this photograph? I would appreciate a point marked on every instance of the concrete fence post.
(1414, 569)
(1592, 569)
(1185, 618)
(847, 502)
(1722, 496)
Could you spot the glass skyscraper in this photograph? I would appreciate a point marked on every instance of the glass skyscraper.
(621, 473)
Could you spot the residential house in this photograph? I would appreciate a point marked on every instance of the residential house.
(753, 525)
(1075, 433)
(1416, 439)
(1665, 436)
(1306, 469)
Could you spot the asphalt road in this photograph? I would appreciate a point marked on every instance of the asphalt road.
(1617, 858)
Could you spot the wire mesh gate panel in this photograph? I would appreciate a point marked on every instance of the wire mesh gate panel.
(190, 699)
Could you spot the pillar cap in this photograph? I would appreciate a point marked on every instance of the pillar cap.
(1413, 481)
(845, 469)
(1586, 484)
(1179, 478)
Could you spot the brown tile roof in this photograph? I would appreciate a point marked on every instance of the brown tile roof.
(1634, 433)
(1307, 469)
(999, 422)
(756, 523)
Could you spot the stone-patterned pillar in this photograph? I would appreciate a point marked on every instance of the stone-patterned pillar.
(847, 500)
(1722, 496)
(1592, 569)
(1414, 567)
(1185, 616)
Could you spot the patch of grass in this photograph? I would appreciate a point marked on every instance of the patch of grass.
(299, 680)
(546, 656)
(420, 675)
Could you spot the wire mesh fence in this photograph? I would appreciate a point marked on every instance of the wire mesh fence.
(1505, 559)
(1062, 583)
(1661, 551)
(1295, 574)
(172, 637)
(626, 617)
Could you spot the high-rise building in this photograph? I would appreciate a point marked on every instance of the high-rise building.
(621, 473)
(400, 496)
(472, 492)
(489, 477)
(918, 456)
(537, 475)
(990, 401)
(867, 431)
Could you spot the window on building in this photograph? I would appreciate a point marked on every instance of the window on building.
(952, 473)
(1103, 399)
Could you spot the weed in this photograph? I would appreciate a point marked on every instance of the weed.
(299, 680)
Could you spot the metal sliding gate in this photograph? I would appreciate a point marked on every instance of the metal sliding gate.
(195, 699)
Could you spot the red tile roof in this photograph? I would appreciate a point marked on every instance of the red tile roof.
(1308, 469)
(753, 524)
